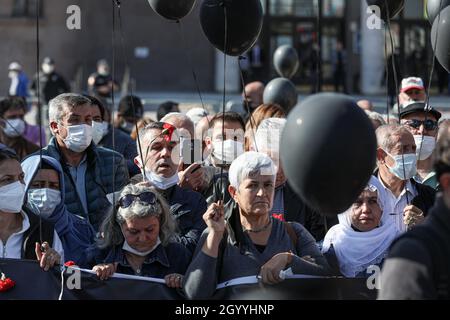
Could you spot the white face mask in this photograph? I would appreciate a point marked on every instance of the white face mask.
(405, 166)
(11, 197)
(128, 248)
(48, 68)
(79, 137)
(161, 182)
(43, 201)
(13, 74)
(424, 146)
(99, 130)
(103, 71)
(14, 128)
(226, 151)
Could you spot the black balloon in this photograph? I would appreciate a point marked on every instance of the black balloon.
(285, 61)
(172, 9)
(244, 24)
(281, 91)
(433, 8)
(441, 44)
(328, 151)
(394, 7)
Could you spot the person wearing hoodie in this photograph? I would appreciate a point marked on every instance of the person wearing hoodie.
(23, 235)
(44, 187)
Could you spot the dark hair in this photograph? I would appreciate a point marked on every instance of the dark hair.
(165, 108)
(96, 102)
(227, 116)
(12, 103)
(126, 107)
(7, 153)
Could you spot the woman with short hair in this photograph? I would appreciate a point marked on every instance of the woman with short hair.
(250, 242)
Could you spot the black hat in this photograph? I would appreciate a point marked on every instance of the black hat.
(415, 106)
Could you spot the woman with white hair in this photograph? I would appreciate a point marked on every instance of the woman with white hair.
(137, 239)
(250, 242)
(363, 235)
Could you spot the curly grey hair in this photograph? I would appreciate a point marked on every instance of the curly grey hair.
(111, 226)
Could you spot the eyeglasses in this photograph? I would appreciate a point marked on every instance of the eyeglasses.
(146, 197)
(429, 125)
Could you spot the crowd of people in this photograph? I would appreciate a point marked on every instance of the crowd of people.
(199, 199)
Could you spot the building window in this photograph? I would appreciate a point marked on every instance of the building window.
(26, 8)
(333, 8)
(299, 8)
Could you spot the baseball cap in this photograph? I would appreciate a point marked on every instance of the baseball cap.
(412, 83)
(415, 106)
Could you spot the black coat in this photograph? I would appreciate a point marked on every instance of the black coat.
(418, 265)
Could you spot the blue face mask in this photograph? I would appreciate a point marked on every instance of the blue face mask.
(405, 165)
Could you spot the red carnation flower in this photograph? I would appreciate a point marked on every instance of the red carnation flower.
(168, 131)
(6, 283)
(70, 263)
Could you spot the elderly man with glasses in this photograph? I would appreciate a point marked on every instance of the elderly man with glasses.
(422, 121)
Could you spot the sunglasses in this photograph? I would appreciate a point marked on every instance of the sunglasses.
(146, 197)
(429, 125)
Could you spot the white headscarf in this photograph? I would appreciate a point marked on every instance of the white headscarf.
(355, 251)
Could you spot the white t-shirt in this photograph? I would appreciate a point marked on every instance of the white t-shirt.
(13, 246)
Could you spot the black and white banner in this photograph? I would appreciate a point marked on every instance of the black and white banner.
(32, 283)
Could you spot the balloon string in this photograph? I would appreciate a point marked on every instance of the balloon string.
(38, 91)
(387, 74)
(191, 65)
(224, 94)
(113, 75)
(434, 59)
(427, 100)
(319, 49)
(394, 68)
(133, 108)
(250, 115)
(404, 175)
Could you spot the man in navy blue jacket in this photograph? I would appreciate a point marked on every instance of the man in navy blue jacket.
(159, 165)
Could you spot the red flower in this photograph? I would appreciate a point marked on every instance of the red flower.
(6, 283)
(278, 216)
(70, 263)
(168, 131)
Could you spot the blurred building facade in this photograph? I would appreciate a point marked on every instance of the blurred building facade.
(158, 50)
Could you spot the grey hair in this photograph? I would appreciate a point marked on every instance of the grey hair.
(56, 105)
(111, 226)
(385, 134)
(180, 121)
(248, 164)
(376, 117)
(268, 134)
